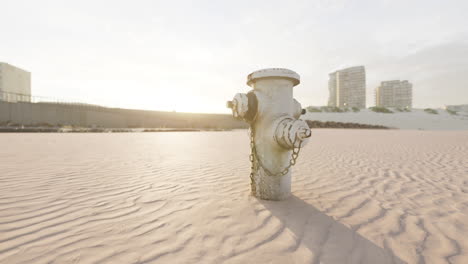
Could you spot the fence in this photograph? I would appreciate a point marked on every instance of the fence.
(18, 97)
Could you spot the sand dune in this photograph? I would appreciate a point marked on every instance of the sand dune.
(360, 196)
(416, 119)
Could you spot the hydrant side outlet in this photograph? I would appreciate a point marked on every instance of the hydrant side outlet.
(244, 106)
(276, 133)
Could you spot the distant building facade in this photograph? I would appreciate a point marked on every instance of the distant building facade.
(394, 94)
(347, 87)
(15, 84)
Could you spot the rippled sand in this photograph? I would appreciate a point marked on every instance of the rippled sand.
(360, 196)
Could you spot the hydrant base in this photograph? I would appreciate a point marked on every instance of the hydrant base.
(274, 188)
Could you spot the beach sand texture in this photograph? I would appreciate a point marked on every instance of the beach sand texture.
(360, 196)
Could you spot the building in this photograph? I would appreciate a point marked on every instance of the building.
(457, 108)
(394, 94)
(15, 84)
(347, 87)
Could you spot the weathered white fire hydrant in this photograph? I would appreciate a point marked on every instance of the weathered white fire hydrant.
(276, 132)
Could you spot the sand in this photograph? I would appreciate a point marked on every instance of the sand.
(360, 196)
(417, 119)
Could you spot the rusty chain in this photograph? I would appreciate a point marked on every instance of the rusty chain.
(254, 159)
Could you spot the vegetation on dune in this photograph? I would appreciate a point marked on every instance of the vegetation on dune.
(334, 109)
(379, 109)
(312, 109)
(331, 109)
(431, 111)
(404, 109)
(331, 124)
(451, 112)
(376, 109)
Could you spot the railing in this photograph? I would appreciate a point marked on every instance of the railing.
(19, 97)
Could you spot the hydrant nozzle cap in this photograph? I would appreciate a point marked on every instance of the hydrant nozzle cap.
(274, 72)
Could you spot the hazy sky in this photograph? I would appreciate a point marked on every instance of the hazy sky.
(195, 55)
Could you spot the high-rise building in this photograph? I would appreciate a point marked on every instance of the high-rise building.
(394, 94)
(15, 84)
(347, 87)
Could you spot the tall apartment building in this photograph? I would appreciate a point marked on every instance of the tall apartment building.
(394, 94)
(15, 84)
(347, 87)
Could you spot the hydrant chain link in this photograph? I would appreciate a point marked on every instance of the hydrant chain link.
(254, 156)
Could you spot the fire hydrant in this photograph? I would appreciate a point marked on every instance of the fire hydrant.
(276, 132)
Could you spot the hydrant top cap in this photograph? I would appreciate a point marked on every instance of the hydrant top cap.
(274, 72)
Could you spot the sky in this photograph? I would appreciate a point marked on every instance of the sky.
(193, 56)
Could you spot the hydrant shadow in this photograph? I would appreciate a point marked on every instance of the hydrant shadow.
(328, 240)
